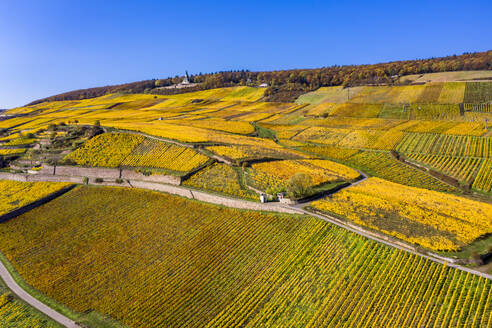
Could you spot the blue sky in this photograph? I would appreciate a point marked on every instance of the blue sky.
(50, 46)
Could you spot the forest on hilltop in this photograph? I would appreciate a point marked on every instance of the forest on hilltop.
(286, 85)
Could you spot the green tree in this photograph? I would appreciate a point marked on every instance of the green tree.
(300, 184)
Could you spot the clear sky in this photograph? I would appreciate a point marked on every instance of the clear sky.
(50, 46)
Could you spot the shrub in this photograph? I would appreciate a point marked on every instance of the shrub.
(99, 180)
(146, 172)
(300, 184)
(68, 161)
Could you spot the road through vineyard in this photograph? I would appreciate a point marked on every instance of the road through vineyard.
(153, 260)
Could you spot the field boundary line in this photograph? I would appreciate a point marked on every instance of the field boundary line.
(28, 207)
(32, 301)
(399, 245)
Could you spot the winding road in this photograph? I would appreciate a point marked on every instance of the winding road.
(26, 297)
(275, 207)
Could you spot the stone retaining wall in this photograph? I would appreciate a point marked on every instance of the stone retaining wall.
(108, 173)
(162, 187)
(215, 199)
(81, 171)
(54, 178)
(12, 176)
(162, 178)
(171, 189)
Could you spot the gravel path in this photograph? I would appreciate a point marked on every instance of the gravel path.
(21, 293)
(26, 297)
(377, 237)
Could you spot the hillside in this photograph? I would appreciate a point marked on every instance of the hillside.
(201, 265)
(286, 85)
(385, 194)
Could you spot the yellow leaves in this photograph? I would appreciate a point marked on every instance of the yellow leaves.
(228, 151)
(241, 152)
(336, 169)
(483, 181)
(277, 173)
(124, 149)
(107, 150)
(217, 124)
(452, 93)
(220, 178)
(151, 259)
(15, 194)
(157, 154)
(16, 314)
(434, 220)
(12, 151)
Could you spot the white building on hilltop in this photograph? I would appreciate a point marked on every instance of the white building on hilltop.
(186, 80)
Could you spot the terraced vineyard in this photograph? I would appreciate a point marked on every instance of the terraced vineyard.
(253, 152)
(381, 164)
(17, 151)
(478, 92)
(276, 175)
(122, 149)
(14, 194)
(435, 144)
(177, 262)
(148, 259)
(462, 168)
(483, 181)
(221, 178)
(434, 220)
(108, 150)
(157, 154)
(15, 314)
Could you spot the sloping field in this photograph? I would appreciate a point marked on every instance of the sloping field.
(217, 124)
(154, 260)
(221, 178)
(16, 314)
(431, 219)
(336, 95)
(276, 174)
(452, 93)
(123, 149)
(448, 76)
(108, 150)
(436, 144)
(483, 181)
(478, 92)
(253, 152)
(156, 154)
(461, 168)
(389, 94)
(381, 164)
(15, 194)
(431, 93)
